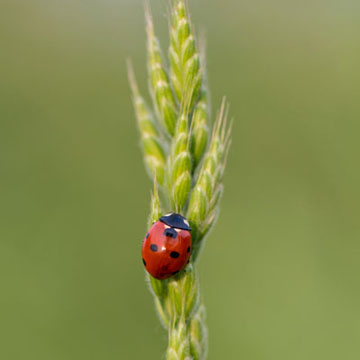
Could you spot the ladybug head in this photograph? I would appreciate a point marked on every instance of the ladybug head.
(176, 221)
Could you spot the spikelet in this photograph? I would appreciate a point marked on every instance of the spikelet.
(206, 194)
(198, 335)
(183, 299)
(158, 288)
(200, 129)
(185, 69)
(153, 150)
(162, 94)
(179, 345)
(179, 164)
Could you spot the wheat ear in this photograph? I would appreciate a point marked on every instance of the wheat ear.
(186, 157)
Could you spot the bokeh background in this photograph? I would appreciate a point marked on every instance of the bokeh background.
(279, 274)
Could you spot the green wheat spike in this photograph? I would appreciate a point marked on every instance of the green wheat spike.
(190, 171)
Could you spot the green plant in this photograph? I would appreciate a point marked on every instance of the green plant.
(186, 160)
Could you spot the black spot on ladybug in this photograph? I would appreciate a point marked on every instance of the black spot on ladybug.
(144, 262)
(154, 247)
(170, 233)
(147, 235)
(188, 249)
(174, 254)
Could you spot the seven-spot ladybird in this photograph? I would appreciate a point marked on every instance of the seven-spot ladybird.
(167, 246)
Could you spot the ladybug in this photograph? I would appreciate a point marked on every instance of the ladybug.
(167, 246)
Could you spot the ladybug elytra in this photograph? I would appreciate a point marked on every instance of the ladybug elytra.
(167, 246)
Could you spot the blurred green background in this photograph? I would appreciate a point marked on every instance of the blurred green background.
(280, 274)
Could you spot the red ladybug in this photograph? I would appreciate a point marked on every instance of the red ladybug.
(167, 246)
